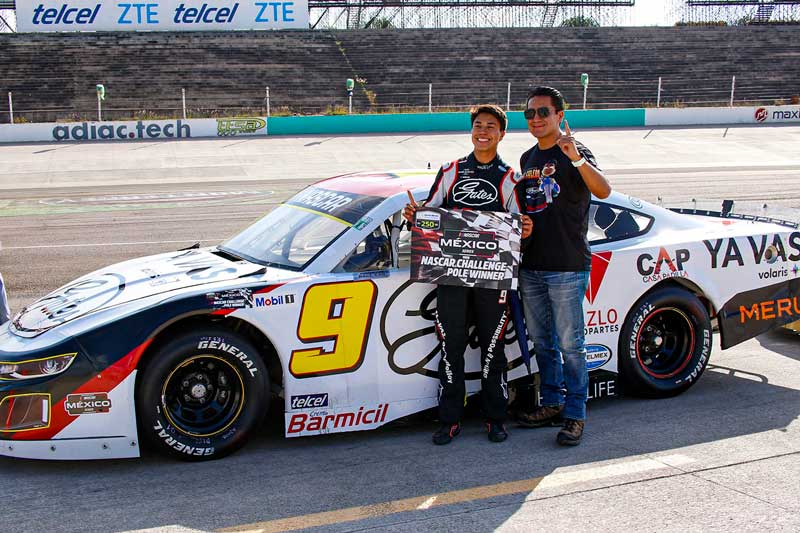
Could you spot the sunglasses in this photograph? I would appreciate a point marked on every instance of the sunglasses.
(543, 112)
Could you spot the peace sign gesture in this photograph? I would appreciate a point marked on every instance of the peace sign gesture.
(566, 142)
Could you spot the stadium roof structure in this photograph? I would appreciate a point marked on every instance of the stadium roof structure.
(469, 3)
(352, 14)
(741, 11)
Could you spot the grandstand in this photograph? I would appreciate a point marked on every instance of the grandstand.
(52, 76)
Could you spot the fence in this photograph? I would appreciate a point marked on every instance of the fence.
(189, 102)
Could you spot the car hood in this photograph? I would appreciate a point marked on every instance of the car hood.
(132, 280)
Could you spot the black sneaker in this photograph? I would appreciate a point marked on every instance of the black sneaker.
(446, 433)
(572, 432)
(497, 431)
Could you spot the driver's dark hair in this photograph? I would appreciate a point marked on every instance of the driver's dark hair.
(555, 95)
(494, 110)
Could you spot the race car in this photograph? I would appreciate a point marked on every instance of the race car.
(312, 306)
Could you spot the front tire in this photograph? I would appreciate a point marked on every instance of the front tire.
(202, 395)
(665, 343)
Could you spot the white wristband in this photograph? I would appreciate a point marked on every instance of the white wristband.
(579, 162)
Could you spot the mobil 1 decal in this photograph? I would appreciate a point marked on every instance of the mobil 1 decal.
(753, 312)
(465, 248)
(345, 206)
(774, 256)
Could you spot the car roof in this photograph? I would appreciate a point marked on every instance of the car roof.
(381, 183)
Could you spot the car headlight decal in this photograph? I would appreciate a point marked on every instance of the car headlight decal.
(36, 368)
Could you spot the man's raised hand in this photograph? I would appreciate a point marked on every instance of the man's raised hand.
(566, 142)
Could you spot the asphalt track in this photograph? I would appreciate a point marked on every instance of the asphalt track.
(723, 456)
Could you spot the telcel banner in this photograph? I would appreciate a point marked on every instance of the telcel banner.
(466, 248)
(164, 15)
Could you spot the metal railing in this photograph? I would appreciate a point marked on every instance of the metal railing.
(188, 102)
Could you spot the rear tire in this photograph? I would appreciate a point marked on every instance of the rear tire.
(665, 343)
(202, 395)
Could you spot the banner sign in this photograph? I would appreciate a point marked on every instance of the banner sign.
(465, 248)
(786, 114)
(134, 130)
(163, 15)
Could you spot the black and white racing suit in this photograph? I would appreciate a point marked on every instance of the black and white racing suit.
(469, 184)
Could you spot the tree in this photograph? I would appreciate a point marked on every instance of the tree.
(580, 22)
(381, 23)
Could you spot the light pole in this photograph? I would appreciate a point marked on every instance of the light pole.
(585, 83)
(101, 95)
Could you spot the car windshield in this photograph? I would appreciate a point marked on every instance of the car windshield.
(295, 232)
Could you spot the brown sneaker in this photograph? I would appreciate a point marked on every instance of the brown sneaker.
(546, 415)
(572, 432)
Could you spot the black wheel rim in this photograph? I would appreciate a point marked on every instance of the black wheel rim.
(665, 343)
(203, 396)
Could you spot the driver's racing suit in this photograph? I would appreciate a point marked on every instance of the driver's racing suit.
(469, 184)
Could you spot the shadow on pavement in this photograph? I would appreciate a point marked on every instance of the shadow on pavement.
(781, 341)
(275, 478)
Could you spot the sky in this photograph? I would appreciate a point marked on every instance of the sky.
(652, 13)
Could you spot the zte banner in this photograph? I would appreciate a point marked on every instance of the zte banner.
(466, 248)
(164, 15)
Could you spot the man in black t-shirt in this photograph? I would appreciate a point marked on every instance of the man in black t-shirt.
(559, 175)
(480, 181)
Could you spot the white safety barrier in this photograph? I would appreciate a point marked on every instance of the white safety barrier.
(134, 130)
(693, 116)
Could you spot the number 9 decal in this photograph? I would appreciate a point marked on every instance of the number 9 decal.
(340, 312)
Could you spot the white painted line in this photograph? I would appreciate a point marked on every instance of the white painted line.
(559, 479)
(216, 239)
(145, 198)
(175, 528)
(675, 460)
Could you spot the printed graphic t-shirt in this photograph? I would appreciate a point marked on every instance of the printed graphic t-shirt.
(561, 205)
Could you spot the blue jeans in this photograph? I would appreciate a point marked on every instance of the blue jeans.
(553, 303)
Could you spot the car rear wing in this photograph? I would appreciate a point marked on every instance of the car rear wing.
(735, 216)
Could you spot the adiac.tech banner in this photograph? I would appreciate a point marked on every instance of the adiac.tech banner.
(466, 248)
(164, 15)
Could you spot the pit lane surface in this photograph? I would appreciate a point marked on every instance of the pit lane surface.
(722, 456)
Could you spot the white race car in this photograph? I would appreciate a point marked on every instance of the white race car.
(313, 305)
